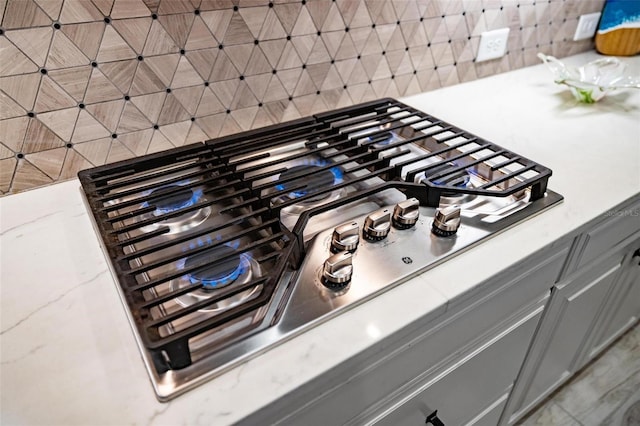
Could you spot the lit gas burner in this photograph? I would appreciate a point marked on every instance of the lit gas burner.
(316, 180)
(462, 179)
(306, 180)
(382, 140)
(221, 266)
(172, 198)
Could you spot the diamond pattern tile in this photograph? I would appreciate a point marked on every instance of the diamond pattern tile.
(104, 6)
(304, 24)
(52, 97)
(159, 143)
(73, 81)
(64, 54)
(50, 162)
(12, 132)
(87, 128)
(79, 11)
(137, 142)
(174, 6)
(100, 88)
(190, 97)
(33, 42)
(177, 26)
(176, 132)
(195, 135)
(319, 53)
(113, 47)
(27, 176)
(119, 152)
(5, 152)
(172, 111)
(90, 69)
(18, 64)
(132, 119)
(73, 163)
(50, 7)
(61, 122)
(158, 41)
(129, 9)
(134, 31)
(203, 60)
(95, 151)
(40, 138)
(199, 37)
(24, 13)
(107, 113)
(287, 15)
(22, 88)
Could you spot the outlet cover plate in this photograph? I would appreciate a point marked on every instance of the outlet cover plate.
(587, 26)
(493, 44)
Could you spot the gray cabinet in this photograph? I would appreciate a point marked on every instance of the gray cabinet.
(572, 312)
(481, 379)
(473, 351)
(623, 308)
(597, 300)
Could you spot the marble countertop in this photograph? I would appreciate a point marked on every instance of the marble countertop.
(68, 355)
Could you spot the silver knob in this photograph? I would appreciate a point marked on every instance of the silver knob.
(406, 213)
(446, 221)
(377, 225)
(345, 237)
(337, 270)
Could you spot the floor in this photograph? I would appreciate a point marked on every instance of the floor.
(605, 393)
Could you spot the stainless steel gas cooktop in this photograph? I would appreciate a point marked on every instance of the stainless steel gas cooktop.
(226, 248)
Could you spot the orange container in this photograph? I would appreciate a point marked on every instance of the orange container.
(619, 29)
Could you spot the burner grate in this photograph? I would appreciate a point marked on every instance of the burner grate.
(123, 198)
(243, 187)
(503, 172)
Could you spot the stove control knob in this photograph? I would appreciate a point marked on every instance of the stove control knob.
(337, 270)
(406, 214)
(345, 237)
(446, 221)
(377, 225)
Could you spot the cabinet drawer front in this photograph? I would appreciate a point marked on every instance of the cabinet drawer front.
(621, 225)
(491, 416)
(468, 388)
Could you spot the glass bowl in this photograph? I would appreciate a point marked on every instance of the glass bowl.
(592, 81)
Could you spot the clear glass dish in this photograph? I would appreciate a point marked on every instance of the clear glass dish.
(592, 81)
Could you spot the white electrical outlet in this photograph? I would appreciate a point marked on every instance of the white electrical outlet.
(493, 44)
(587, 26)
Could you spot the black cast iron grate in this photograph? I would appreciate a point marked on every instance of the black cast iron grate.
(248, 180)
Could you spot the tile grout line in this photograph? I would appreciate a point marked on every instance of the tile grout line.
(553, 401)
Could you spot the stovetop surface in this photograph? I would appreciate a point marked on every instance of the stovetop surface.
(221, 249)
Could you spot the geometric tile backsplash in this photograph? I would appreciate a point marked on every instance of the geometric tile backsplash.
(88, 82)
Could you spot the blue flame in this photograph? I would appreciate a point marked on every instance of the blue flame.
(335, 171)
(197, 194)
(460, 181)
(209, 241)
(179, 204)
(392, 138)
(221, 281)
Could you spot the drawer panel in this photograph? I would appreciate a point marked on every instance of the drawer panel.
(623, 224)
(491, 416)
(468, 389)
